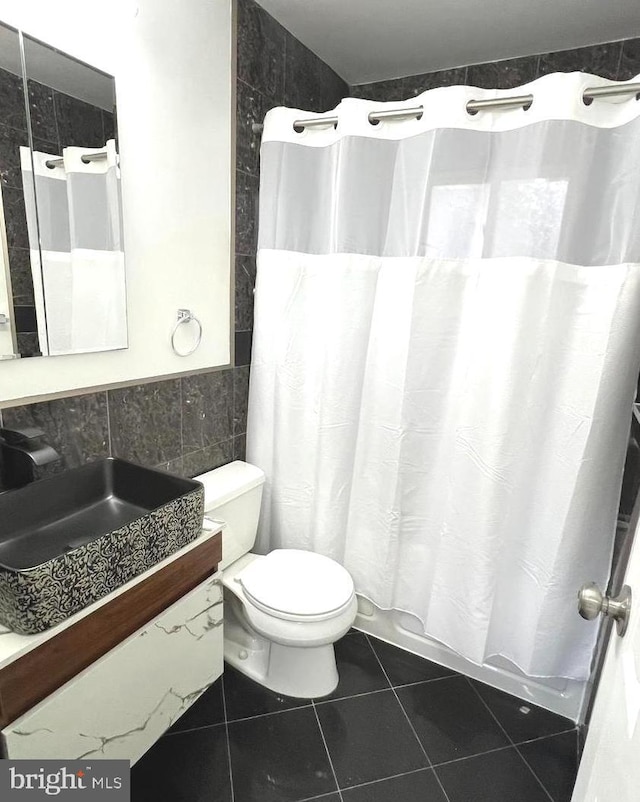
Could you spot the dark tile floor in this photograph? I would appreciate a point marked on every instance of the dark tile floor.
(397, 729)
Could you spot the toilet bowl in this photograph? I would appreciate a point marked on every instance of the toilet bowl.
(283, 610)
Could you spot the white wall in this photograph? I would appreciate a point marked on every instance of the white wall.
(173, 67)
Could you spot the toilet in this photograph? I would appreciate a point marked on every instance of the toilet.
(284, 610)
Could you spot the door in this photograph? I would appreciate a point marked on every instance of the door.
(610, 766)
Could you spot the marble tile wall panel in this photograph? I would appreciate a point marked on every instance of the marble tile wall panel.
(260, 49)
(415, 84)
(503, 74)
(240, 400)
(273, 69)
(158, 673)
(11, 139)
(21, 281)
(629, 60)
(12, 101)
(245, 283)
(309, 84)
(601, 60)
(77, 428)
(207, 409)
(42, 112)
(79, 123)
(614, 60)
(184, 426)
(145, 422)
(209, 458)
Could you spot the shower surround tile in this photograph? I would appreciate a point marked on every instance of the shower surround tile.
(629, 60)
(380, 90)
(145, 422)
(108, 125)
(261, 45)
(310, 85)
(415, 84)
(601, 60)
(503, 74)
(251, 107)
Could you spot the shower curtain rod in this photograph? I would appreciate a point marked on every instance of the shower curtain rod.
(473, 106)
(90, 157)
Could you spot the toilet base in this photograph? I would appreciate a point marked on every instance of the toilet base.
(304, 673)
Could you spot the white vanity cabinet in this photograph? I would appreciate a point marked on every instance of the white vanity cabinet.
(121, 703)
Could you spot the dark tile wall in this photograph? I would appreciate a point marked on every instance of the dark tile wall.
(274, 69)
(615, 60)
(57, 121)
(197, 422)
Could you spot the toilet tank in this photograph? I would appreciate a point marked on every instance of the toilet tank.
(232, 494)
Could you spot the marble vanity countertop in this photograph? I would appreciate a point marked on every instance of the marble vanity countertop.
(14, 645)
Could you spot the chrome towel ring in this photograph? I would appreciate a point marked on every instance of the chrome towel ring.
(186, 316)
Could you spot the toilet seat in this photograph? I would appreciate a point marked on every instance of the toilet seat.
(297, 585)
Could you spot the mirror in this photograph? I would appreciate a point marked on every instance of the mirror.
(62, 267)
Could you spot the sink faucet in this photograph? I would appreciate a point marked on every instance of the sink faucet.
(22, 452)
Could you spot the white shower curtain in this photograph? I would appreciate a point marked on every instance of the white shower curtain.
(76, 249)
(446, 346)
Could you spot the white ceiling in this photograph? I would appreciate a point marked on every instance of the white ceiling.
(372, 40)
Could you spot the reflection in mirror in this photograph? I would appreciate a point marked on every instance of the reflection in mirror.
(67, 241)
(17, 318)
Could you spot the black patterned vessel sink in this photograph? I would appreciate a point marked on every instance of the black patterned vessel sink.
(67, 541)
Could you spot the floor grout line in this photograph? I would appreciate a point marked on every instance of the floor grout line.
(326, 749)
(509, 738)
(384, 779)
(424, 751)
(352, 696)
(424, 681)
(226, 729)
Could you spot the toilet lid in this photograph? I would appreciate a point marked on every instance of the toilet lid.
(298, 583)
